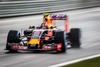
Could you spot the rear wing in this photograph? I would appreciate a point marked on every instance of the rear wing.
(59, 17)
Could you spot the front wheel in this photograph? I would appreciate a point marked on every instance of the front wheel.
(60, 37)
(13, 37)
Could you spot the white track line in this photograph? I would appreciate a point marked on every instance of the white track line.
(74, 61)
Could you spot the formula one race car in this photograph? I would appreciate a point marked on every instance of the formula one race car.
(45, 37)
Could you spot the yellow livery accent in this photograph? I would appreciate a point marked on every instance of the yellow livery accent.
(33, 42)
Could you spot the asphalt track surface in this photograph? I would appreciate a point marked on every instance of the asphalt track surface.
(86, 19)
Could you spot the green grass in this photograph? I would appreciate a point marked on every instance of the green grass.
(95, 62)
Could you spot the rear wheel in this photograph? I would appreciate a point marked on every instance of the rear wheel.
(75, 35)
(13, 37)
(60, 37)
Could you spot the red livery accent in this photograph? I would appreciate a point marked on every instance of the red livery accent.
(59, 46)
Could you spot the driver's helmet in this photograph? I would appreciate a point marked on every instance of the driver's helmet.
(45, 14)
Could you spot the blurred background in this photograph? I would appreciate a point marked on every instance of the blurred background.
(10, 8)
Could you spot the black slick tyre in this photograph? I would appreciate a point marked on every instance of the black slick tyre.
(13, 37)
(60, 37)
(75, 35)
